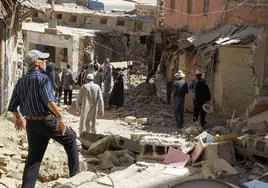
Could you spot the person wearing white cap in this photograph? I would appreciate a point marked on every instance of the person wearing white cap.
(180, 89)
(89, 102)
(201, 94)
(34, 95)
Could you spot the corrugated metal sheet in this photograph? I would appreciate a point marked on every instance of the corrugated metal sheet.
(238, 89)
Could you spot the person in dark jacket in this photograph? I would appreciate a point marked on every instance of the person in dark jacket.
(68, 81)
(179, 90)
(51, 72)
(201, 94)
(117, 94)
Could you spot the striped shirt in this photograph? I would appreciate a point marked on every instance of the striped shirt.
(31, 94)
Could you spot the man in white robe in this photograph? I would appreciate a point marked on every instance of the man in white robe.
(89, 102)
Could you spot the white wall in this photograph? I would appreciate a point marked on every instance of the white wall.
(60, 41)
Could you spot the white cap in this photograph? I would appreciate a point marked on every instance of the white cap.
(90, 77)
(179, 74)
(107, 59)
(34, 55)
(198, 72)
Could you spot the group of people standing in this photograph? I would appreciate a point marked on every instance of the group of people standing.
(91, 99)
(176, 91)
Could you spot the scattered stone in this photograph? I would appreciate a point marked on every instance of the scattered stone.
(16, 174)
(24, 154)
(22, 139)
(130, 119)
(123, 123)
(81, 178)
(93, 160)
(25, 146)
(138, 136)
(2, 145)
(126, 160)
(4, 160)
(142, 121)
(221, 170)
(101, 145)
(7, 152)
(194, 129)
(118, 168)
(8, 182)
(109, 156)
(85, 143)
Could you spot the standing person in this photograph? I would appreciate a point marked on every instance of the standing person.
(59, 84)
(107, 77)
(51, 72)
(117, 94)
(34, 96)
(68, 80)
(169, 86)
(89, 101)
(201, 94)
(180, 89)
(97, 75)
(82, 76)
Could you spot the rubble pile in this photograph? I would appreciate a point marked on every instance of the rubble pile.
(142, 102)
(13, 153)
(108, 153)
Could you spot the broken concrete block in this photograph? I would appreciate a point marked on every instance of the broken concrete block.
(221, 150)
(91, 137)
(101, 145)
(129, 144)
(130, 119)
(81, 178)
(109, 156)
(93, 160)
(126, 160)
(221, 170)
(85, 143)
(138, 136)
(118, 168)
(142, 121)
(123, 123)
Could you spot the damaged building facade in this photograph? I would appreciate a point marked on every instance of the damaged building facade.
(82, 35)
(232, 57)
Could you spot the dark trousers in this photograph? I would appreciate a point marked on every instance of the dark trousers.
(70, 96)
(169, 85)
(198, 110)
(39, 133)
(179, 111)
(59, 93)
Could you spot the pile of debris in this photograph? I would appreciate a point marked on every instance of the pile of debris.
(108, 153)
(13, 153)
(141, 102)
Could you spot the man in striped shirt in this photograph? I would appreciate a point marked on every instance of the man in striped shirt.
(34, 95)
